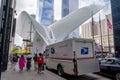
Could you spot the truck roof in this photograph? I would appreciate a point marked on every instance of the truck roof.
(77, 39)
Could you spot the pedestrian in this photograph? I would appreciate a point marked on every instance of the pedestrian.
(11, 60)
(22, 63)
(35, 61)
(40, 61)
(28, 58)
(15, 60)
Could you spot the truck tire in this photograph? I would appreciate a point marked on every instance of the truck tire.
(117, 76)
(60, 70)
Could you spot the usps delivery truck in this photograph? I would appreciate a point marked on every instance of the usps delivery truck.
(73, 56)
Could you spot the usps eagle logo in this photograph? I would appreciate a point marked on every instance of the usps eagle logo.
(52, 50)
(84, 50)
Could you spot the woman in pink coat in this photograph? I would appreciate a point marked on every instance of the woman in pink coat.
(21, 62)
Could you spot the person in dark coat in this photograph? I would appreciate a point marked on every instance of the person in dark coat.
(28, 64)
(35, 61)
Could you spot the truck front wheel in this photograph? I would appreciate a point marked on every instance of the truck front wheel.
(60, 70)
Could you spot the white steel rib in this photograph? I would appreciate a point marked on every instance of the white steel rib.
(58, 30)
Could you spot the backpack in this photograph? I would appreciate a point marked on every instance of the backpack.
(40, 60)
(28, 59)
(15, 58)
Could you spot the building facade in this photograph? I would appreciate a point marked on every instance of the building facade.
(116, 24)
(107, 37)
(114, 37)
(7, 10)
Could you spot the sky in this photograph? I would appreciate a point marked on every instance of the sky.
(0, 2)
(30, 7)
(27, 5)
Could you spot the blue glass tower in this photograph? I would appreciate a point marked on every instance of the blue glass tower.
(115, 7)
(69, 6)
(45, 12)
(65, 7)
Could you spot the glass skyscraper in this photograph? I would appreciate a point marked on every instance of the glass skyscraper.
(115, 7)
(39, 10)
(45, 12)
(65, 7)
(69, 6)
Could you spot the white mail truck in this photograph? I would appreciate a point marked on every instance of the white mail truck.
(73, 56)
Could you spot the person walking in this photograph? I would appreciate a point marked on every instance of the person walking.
(15, 60)
(40, 61)
(35, 61)
(22, 63)
(28, 64)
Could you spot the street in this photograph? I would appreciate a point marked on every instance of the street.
(89, 76)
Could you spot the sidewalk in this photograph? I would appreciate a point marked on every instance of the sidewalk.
(29, 75)
(45, 75)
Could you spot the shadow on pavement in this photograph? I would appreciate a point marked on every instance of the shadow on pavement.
(71, 77)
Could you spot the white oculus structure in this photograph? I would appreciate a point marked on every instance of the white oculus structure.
(42, 36)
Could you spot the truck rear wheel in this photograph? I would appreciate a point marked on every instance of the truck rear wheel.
(117, 76)
(60, 70)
